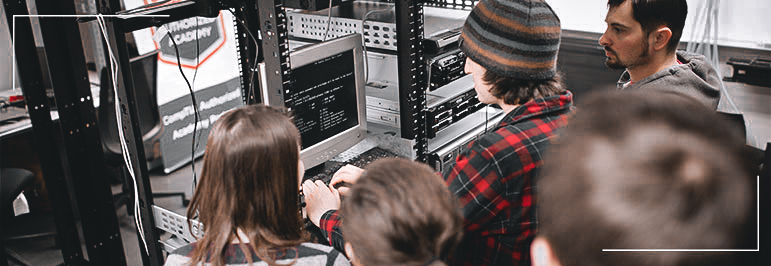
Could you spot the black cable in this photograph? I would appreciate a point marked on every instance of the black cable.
(250, 92)
(195, 105)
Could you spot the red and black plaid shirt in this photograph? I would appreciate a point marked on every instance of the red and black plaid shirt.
(494, 180)
(330, 227)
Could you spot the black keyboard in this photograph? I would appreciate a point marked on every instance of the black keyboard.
(361, 161)
(330, 167)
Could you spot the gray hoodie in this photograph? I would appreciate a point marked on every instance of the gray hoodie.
(695, 78)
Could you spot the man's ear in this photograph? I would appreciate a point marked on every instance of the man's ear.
(541, 253)
(661, 38)
(351, 255)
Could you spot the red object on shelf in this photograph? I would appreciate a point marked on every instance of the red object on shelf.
(16, 98)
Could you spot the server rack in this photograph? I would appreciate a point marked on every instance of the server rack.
(71, 156)
(411, 74)
(45, 130)
(80, 139)
(70, 153)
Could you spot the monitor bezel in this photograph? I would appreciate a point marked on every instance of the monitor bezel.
(331, 147)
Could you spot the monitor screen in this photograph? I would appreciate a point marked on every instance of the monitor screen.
(322, 98)
(327, 97)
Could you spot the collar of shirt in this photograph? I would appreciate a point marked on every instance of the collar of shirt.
(537, 107)
(626, 79)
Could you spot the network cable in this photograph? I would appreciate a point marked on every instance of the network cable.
(123, 143)
(196, 114)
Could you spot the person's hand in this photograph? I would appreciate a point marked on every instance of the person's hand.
(319, 199)
(347, 174)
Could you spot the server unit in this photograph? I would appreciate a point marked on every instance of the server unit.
(450, 104)
(447, 144)
(444, 68)
(312, 4)
(379, 31)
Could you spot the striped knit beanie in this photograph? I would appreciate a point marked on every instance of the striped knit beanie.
(513, 38)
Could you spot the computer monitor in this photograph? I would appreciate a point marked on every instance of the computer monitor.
(327, 97)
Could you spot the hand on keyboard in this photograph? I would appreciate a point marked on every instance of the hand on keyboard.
(323, 177)
(358, 162)
(342, 175)
(345, 177)
(319, 199)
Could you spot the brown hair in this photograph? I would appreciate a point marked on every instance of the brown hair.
(648, 170)
(516, 91)
(401, 213)
(249, 181)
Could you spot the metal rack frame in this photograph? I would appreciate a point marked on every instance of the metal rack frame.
(411, 74)
(267, 20)
(45, 130)
(411, 68)
(71, 155)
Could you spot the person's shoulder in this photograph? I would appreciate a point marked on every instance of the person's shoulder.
(316, 248)
(533, 131)
(686, 57)
(176, 260)
(512, 132)
(532, 126)
(494, 144)
(316, 254)
(185, 250)
(487, 141)
(180, 256)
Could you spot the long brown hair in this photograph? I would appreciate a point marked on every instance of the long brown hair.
(249, 181)
(401, 213)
